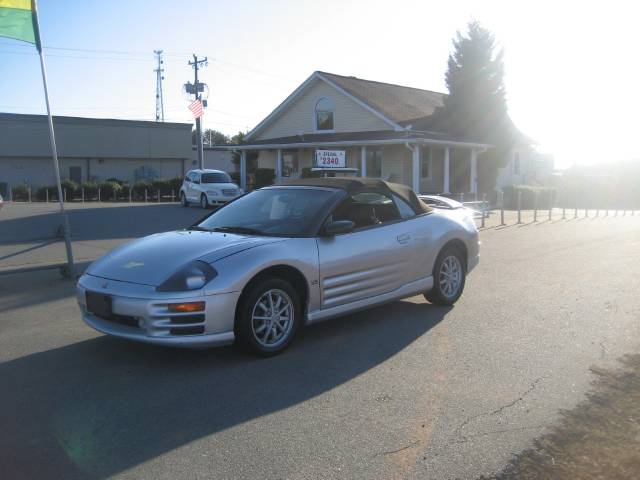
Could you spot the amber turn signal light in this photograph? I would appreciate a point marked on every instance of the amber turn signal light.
(186, 307)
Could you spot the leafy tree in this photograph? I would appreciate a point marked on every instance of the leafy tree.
(252, 157)
(211, 137)
(476, 107)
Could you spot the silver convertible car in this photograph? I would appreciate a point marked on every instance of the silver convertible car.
(279, 257)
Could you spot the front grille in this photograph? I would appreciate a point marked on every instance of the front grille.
(123, 320)
(229, 192)
(187, 331)
(187, 319)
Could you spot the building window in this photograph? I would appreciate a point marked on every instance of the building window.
(374, 163)
(290, 164)
(324, 114)
(516, 163)
(425, 167)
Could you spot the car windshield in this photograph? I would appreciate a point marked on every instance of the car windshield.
(215, 177)
(281, 212)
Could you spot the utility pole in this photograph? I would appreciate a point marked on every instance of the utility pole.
(198, 88)
(159, 78)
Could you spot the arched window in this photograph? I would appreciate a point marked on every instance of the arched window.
(324, 114)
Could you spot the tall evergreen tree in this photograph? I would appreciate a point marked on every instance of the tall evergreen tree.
(476, 106)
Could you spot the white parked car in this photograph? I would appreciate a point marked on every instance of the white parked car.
(208, 187)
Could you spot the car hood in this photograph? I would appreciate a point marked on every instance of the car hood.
(220, 185)
(151, 260)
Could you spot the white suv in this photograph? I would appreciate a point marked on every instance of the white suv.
(208, 187)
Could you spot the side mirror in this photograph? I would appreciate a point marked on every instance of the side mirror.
(338, 227)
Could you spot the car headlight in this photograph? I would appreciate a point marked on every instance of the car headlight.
(212, 192)
(192, 276)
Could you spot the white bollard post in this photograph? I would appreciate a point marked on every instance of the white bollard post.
(64, 191)
(82, 190)
(145, 195)
(47, 194)
(535, 206)
(29, 193)
(519, 206)
(501, 207)
(484, 209)
(158, 196)
(129, 194)
(98, 194)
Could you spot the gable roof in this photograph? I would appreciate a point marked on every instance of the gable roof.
(396, 102)
(402, 108)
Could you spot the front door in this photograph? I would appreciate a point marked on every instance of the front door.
(75, 174)
(376, 258)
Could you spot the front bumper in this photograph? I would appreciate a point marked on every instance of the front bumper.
(220, 199)
(140, 313)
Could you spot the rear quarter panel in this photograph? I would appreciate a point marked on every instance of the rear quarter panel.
(434, 230)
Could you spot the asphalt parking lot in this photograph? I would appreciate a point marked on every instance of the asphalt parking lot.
(407, 390)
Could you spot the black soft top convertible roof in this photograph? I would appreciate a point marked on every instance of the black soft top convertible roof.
(353, 185)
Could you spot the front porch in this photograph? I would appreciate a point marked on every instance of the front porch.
(427, 167)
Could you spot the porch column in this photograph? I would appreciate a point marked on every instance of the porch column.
(473, 172)
(279, 166)
(243, 169)
(363, 161)
(415, 158)
(445, 186)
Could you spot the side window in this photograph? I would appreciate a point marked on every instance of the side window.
(366, 209)
(405, 209)
(196, 178)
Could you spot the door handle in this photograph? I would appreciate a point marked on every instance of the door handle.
(404, 238)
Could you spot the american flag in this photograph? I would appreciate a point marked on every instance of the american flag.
(196, 108)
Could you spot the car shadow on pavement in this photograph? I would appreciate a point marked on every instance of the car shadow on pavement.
(98, 407)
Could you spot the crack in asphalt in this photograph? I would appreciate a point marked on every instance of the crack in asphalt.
(413, 444)
(502, 408)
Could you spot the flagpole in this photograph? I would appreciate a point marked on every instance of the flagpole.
(52, 138)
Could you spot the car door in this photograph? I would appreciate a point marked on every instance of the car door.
(374, 259)
(194, 188)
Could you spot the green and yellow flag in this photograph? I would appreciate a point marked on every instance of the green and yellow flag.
(18, 20)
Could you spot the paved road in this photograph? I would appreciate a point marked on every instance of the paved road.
(408, 390)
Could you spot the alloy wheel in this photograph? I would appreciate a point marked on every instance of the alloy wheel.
(450, 276)
(272, 318)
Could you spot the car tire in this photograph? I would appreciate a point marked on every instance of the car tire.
(183, 200)
(258, 328)
(204, 203)
(449, 274)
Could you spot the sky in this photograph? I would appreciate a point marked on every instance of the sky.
(572, 68)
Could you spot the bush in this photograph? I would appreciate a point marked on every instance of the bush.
(109, 190)
(71, 188)
(528, 199)
(20, 193)
(41, 193)
(122, 183)
(264, 177)
(163, 185)
(308, 173)
(174, 185)
(139, 188)
(90, 190)
(235, 177)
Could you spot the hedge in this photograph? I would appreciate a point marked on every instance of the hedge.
(20, 193)
(528, 198)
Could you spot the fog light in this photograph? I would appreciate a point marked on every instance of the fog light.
(186, 307)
